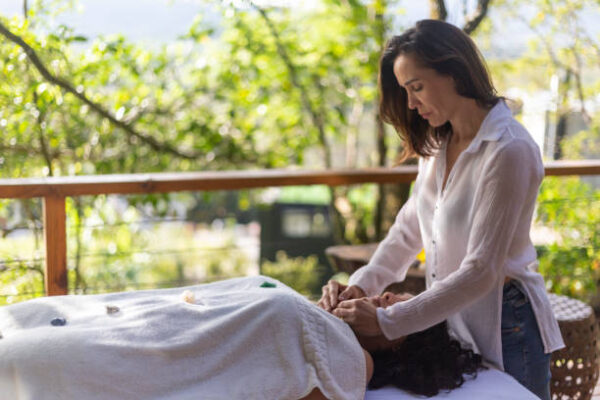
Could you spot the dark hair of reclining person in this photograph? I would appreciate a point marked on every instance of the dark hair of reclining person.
(425, 363)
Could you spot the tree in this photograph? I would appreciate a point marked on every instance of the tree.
(562, 57)
(269, 88)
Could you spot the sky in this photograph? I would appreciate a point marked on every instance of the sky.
(152, 21)
(155, 22)
(149, 21)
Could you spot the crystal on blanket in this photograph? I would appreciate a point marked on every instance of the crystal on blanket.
(110, 309)
(58, 321)
(188, 296)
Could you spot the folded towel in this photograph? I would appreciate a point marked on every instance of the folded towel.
(226, 340)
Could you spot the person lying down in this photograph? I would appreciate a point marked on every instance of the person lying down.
(243, 338)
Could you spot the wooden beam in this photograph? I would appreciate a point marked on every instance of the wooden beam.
(233, 180)
(197, 181)
(55, 235)
(575, 167)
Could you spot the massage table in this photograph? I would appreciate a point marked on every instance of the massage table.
(490, 384)
(153, 337)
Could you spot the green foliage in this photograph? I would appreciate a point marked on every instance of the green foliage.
(572, 209)
(300, 273)
(21, 280)
(258, 90)
(563, 51)
(118, 251)
(585, 144)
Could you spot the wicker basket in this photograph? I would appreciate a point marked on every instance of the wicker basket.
(574, 368)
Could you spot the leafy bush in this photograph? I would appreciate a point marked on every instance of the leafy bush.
(571, 265)
(303, 274)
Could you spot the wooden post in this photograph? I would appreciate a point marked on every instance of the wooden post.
(55, 235)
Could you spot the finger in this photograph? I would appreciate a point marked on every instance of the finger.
(324, 302)
(344, 314)
(325, 297)
(347, 294)
(321, 304)
(353, 292)
(344, 295)
(334, 288)
(347, 304)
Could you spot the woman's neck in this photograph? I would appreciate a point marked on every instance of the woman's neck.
(467, 120)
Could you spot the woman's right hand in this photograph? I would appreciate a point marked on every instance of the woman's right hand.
(334, 292)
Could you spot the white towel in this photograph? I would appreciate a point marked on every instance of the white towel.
(237, 341)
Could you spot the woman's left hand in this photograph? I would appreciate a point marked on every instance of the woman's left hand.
(361, 315)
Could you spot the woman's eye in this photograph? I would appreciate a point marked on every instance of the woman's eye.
(417, 88)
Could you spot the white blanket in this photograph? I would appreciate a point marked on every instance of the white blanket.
(237, 341)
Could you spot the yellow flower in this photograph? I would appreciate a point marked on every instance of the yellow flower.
(421, 256)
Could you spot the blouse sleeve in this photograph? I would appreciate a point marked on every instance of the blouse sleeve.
(394, 254)
(507, 189)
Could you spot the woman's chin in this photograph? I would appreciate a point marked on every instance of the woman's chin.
(435, 124)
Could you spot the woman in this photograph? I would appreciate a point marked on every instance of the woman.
(470, 209)
(244, 338)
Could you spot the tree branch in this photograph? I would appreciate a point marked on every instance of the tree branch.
(437, 9)
(99, 109)
(473, 20)
(559, 64)
(579, 86)
(317, 117)
(43, 144)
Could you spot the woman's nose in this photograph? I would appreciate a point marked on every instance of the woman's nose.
(412, 101)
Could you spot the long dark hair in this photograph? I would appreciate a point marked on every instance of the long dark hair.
(425, 363)
(449, 51)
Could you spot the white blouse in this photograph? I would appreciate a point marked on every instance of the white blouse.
(475, 232)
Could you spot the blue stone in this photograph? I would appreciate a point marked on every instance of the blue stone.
(58, 321)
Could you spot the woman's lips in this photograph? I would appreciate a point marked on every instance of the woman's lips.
(426, 115)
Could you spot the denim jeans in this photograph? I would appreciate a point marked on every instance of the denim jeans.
(522, 347)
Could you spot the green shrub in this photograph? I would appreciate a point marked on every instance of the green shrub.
(303, 274)
(571, 265)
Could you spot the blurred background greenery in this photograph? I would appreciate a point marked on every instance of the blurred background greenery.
(259, 85)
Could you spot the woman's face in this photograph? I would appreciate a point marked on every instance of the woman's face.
(433, 95)
(381, 343)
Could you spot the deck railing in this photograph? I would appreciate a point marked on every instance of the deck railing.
(55, 190)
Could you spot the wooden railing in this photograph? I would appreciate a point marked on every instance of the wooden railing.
(54, 191)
